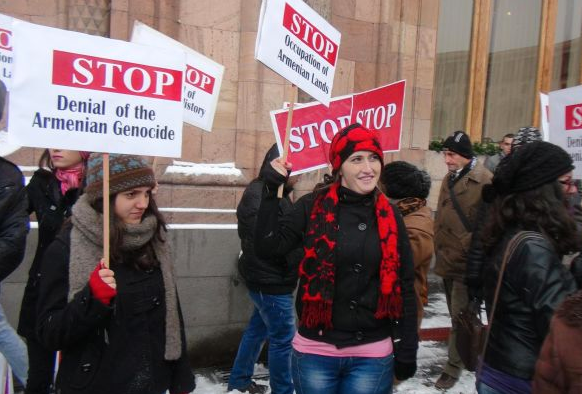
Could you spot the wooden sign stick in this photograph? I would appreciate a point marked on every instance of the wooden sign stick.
(292, 101)
(106, 209)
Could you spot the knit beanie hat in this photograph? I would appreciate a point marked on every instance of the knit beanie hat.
(353, 138)
(460, 143)
(531, 166)
(402, 180)
(525, 135)
(125, 172)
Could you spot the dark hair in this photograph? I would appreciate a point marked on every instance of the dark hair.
(508, 135)
(145, 257)
(541, 209)
(328, 180)
(45, 161)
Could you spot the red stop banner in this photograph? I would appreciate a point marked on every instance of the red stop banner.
(314, 125)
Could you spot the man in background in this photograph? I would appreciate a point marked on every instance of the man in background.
(505, 145)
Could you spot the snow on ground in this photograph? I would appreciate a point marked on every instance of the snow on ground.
(431, 357)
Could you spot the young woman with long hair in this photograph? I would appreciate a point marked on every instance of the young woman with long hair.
(527, 194)
(52, 191)
(119, 329)
(356, 279)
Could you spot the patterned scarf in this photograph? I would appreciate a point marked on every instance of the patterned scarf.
(410, 204)
(317, 269)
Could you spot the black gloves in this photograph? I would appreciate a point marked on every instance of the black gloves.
(271, 177)
(403, 371)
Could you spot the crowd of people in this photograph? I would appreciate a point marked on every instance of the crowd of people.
(352, 256)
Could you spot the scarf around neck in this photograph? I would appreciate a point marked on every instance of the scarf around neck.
(317, 268)
(70, 178)
(409, 205)
(87, 246)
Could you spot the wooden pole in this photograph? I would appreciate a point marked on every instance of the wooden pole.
(292, 100)
(106, 209)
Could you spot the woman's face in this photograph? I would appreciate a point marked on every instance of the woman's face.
(64, 159)
(130, 205)
(360, 172)
(568, 186)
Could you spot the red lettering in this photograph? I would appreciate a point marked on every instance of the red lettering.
(573, 117)
(199, 79)
(310, 35)
(5, 39)
(95, 73)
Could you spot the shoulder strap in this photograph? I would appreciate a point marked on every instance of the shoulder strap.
(458, 209)
(511, 247)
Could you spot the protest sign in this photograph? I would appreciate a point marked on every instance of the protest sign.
(314, 125)
(297, 43)
(81, 92)
(381, 109)
(566, 123)
(202, 78)
(6, 58)
(544, 116)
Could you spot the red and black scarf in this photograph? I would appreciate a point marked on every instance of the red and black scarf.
(317, 269)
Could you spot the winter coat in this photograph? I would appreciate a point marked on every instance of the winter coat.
(419, 226)
(51, 209)
(271, 276)
(356, 270)
(534, 284)
(452, 240)
(491, 162)
(116, 349)
(13, 218)
(559, 366)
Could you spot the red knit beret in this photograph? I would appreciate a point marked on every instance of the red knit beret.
(353, 138)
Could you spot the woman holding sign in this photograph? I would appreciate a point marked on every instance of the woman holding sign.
(119, 329)
(356, 277)
(52, 191)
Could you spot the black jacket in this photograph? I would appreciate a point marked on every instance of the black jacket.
(13, 218)
(357, 270)
(534, 284)
(117, 349)
(51, 209)
(277, 275)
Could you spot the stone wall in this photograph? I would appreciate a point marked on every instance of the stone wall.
(214, 302)
(382, 41)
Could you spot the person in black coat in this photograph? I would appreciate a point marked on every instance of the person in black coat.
(119, 328)
(13, 230)
(356, 279)
(51, 194)
(526, 195)
(271, 283)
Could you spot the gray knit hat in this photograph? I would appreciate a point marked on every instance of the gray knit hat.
(125, 172)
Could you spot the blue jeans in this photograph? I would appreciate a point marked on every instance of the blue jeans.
(314, 374)
(13, 349)
(273, 318)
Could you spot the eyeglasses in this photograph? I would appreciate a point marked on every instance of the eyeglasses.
(568, 183)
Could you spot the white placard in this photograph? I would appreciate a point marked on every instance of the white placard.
(566, 123)
(81, 92)
(297, 43)
(544, 118)
(6, 58)
(202, 79)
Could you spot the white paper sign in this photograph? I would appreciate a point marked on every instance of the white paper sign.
(81, 92)
(202, 79)
(6, 58)
(544, 120)
(297, 43)
(566, 123)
